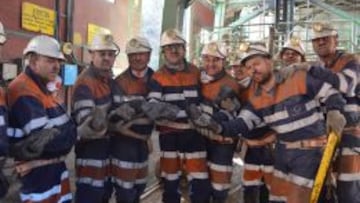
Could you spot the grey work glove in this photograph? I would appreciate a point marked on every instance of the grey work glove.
(228, 100)
(288, 71)
(33, 146)
(160, 110)
(98, 121)
(335, 121)
(124, 112)
(203, 120)
(94, 126)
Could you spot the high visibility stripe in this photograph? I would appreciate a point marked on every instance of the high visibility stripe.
(349, 177)
(171, 176)
(90, 181)
(197, 175)
(82, 114)
(128, 164)
(156, 95)
(141, 181)
(195, 155)
(190, 93)
(58, 121)
(256, 182)
(14, 132)
(298, 180)
(324, 90)
(2, 120)
(351, 108)
(350, 91)
(343, 83)
(35, 123)
(55, 190)
(277, 198)
(84, 104)
(129, 175)
(285, 114)
(350, 151)
(207, 108)
(251, 120)
(117, 99)
(254, 167)
(92, 163)
(280, 174)
(122, 183)
(301, 123)
(220, 168)
(133, 97)
(169, 154)
(220, 187)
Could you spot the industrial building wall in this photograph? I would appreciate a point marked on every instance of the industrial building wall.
(122, 18)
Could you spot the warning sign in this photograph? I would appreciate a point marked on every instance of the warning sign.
(37, 19)
(94, 30)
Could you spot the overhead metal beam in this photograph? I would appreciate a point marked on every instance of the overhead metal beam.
(248, 17)
(336, 11)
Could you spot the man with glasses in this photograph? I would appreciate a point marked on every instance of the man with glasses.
(182, 148)
(94, 95)
(41, 132)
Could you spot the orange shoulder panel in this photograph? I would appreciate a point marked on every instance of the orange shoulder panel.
(342, 61)
(180, 78)
(296, 85)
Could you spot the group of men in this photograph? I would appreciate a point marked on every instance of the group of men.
(281, 116)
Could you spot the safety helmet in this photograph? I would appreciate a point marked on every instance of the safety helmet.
(44, 45)
(102, 42)
(294, 43)
(322, 29)
(2, 34)
(214, 49)
(252, 49)
(234, 58)
(171, 36)
(137, 45)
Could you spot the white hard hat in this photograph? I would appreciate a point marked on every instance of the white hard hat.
(44, 45)
(320, 30)
(214, 49)
(253, 49)
(137, 45)
(295, 44)
(2, 34)
(103, 42)
(234, 59)
(171, 36)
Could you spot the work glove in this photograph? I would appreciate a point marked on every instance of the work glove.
(94, 126)
(287, 71)
(160, 110)
(227, 100)
(335, 121)
(33, 146)
(124, 112)
(203, 120)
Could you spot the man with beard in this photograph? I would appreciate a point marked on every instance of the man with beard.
(291, 109)
(41, 132)
(129, 145)
(258, 160)
(94, 94)
(182, 148)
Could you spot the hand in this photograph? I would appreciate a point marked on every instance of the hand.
(335, 121)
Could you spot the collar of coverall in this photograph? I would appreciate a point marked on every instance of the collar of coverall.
(173, 70)
(40, 83)
(139, 74)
